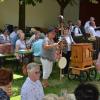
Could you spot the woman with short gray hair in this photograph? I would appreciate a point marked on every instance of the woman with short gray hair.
(32, 88)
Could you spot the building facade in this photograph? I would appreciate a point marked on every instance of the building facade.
(42, 15)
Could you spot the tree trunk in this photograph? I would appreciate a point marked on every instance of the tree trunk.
(22, 15)
(62, 11)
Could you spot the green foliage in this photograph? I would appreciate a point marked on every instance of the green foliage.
(33, 2)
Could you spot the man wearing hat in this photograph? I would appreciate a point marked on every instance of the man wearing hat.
(47, 56)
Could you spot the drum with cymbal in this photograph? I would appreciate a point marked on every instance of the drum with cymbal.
(62, 63)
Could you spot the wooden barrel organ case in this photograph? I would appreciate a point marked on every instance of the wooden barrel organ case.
(81, 62)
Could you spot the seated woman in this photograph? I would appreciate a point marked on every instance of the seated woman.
(4, 38)
(21, 45)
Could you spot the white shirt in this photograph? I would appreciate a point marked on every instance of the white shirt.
(69, 40)
(91, 30)
(4, 39)
(98, 33)
(32, 90)
(21, 44)
(13, 34)
(77, 31)
(87, 24)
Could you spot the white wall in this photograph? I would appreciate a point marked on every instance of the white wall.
(8, 12)
(42, 15)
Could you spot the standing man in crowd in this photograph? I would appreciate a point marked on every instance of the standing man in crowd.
(14, 37)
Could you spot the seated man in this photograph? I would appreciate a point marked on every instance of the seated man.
(86, 92)
(91, 29)
(77, 30)
(87, 24)
(32, 88)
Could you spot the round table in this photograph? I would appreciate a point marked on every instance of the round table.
(23, 53)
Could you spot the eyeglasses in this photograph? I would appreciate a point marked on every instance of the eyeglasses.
(38, 72)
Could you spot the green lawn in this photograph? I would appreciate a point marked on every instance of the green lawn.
(55, 84)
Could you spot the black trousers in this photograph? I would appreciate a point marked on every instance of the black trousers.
(67, 56)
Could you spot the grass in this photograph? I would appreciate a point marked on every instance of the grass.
(56, 85)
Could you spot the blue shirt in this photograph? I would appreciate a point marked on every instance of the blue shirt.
(37, 47)
(13, 38)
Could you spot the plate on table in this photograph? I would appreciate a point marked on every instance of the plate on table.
(22, 50)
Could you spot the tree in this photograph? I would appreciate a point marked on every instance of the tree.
(22, 4)
(64, 3)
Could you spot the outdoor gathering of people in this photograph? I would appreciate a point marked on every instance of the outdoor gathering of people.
(36, 55)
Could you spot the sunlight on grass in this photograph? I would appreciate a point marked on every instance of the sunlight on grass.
(16, 87)
(16, 98)
(16, 76)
